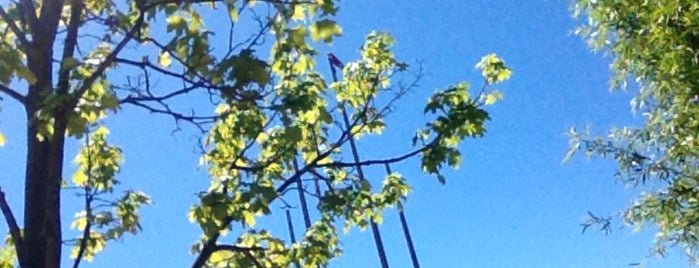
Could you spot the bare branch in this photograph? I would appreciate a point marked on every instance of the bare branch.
(195, 120)
(13, 94)
(381, 161)
(14, 229)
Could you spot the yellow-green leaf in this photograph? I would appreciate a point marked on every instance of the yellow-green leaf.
(26, 74)
(325, 29)
(298, 13)
(249, 218)
(164, 59)
(233, 12)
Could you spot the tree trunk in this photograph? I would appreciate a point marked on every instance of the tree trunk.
(42, 222)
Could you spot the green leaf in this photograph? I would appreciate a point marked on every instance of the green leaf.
(26, 74)
(70, 63)
(325, 29)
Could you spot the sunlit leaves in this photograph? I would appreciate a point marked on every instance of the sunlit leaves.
(494, 69)
(8, 254)
(99, 161)
(176, 23)
(103, 219)
(12, 64)
(358, 206)
(458, 116)
(95, 243)
(654, 46)
(164, 59)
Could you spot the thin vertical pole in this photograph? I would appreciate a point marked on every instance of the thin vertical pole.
(291, 233)
(374, 227)
(406, 230)
(302, 198)
(360, 172)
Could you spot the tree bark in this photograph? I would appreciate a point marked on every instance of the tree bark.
(44, 163)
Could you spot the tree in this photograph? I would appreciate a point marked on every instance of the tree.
(275, 120)
(655, 47)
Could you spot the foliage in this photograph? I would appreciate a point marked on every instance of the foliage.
(102, 219)
(274, 122)
(655, 47)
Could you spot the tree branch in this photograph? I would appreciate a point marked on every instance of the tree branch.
(27, 11)
(237, 248)
(109, 60)
(380, 161)
(86, 231)
(14, 229)
(12, 93)
(23, 43)
(48, 21)
(76, 7)
(88, 203)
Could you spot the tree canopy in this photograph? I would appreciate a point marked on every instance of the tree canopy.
(655, 50)
(271, 119)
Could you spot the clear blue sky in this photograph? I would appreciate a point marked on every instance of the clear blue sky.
(511, 204)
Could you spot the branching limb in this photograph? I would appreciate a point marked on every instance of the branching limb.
(14, 229)
(195, 120)
(109, 60)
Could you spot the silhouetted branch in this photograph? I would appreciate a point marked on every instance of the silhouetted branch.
(14, 229)
(71, 41)
(12, 93)
(592, 220)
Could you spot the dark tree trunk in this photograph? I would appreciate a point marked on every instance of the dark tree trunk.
(35, 189)
(42, 232)
(43, 173)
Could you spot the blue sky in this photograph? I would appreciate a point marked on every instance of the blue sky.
(511, 203)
